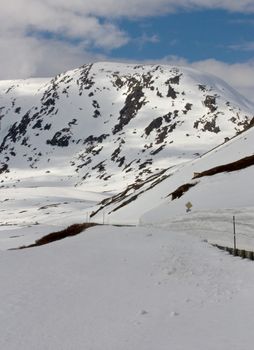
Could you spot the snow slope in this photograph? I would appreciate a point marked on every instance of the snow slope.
(125, 288)
(215, 198)
(223, 190)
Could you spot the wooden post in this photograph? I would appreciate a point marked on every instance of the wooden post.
(249, 255)
(242, 254)
(234, 235)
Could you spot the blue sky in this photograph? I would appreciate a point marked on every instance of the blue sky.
(53, 36)
(194, 35)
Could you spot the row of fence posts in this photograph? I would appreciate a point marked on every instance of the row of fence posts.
(235, 251)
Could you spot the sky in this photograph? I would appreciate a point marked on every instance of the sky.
(43, 38)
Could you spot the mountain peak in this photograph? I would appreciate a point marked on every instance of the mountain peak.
(106, 125)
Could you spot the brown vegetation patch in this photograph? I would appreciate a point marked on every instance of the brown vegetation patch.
(181, 190)
(234, 166)
(56, 236)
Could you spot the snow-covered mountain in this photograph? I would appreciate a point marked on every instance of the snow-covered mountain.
(105, 126)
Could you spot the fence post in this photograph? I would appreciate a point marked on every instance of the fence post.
(234, 232)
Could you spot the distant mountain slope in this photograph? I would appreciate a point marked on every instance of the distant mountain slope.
(105, 126)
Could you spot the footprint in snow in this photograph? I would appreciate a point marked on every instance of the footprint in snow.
(144, 312)
(174, 314)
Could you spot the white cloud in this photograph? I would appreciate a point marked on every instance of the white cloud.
(141, 8)
(28, 57)
(35, 16)
(241, 21)
(146, 39)
(238, 75)
(45, 37)
(244, 46)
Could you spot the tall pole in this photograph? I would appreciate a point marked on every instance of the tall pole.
(234, 234)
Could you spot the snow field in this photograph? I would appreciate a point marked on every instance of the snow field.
(125, 288)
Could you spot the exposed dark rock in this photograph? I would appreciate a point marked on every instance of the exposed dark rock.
(73, 122)
(163, 132)
(208, 125)
(147, 81)
(116, 153)
(210, 102)
(96, 104)
(47, 126)
(176, 113)
(4, 168)
(168, 117)
(175, 80)
(60, 139)
(172, 93)
(144, 165)
(24, 141)
(85, 82)
(211, 126)
(155, 124)
(16, 131)
(93, 139)
(187, 108)
(157, 150)
(133, 103)
(96, 113)
(245, 124)
(159, 94)
(121, 161)
(118, 82)
(202, 87)
(17, 110)
(100, 166)
(37, 124)
(49, 102)
(9, 89)
(97, 151)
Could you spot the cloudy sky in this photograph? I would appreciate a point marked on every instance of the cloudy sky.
(43, 38)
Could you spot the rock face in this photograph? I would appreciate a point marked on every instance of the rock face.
(109, 125)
